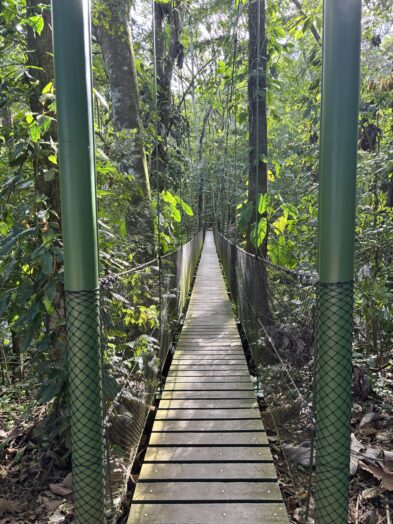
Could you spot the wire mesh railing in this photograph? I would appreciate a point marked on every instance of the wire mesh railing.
(317, 450)
(140, 309)
(277, 310)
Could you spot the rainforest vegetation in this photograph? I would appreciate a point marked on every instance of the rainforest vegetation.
(206, 113)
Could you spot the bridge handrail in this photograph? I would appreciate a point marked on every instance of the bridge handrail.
(113, 276)
(309, 277)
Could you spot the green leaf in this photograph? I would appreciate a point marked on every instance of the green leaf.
(168, 197)
(263, 203)
(37, 23)
(3, 229)
(245, 216)
(258, 232)
(280, 224)
(221, 67)
(18, 154)
(280, 252)
(12, 239)
(48, 88)
(123, 229)
(279, 31)
(103, 192)
(35, 132)
(186, 208)
(47, 263)
(176, 215)
(27, 337)
(50, 291)
(44, 122)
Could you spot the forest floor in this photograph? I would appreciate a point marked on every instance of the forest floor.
(35, 478)
(371, 484)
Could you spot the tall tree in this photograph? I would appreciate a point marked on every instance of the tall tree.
(40, 67)
(257, 178)
(168, 18)
(257, 124)
(201, 168)
(113, 30)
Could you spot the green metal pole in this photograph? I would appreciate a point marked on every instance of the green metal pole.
(72, 53)
(339, 132)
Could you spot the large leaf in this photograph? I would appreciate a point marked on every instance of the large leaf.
(176, 215)
(263, 203)
(12, 239)
(37, 23)
(280, 251)
(245, 216)
(186, 208)
(258, 232)
(168, 197)
(280, 224)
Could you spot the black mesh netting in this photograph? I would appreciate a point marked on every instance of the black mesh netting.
(140, 310)
(82, 312)
(333, 399)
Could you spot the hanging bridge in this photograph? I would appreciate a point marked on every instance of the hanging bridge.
(208, 459)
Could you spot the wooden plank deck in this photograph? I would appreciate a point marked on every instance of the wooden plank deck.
(208, 460)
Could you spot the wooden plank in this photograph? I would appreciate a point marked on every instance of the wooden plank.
(216, 414)
(227, 355)
(192, 394)
(189, 376)
(183, 454)
(217, 471)
(211, 386)
(207, 403)
(205, 345)
(218, 351)
(207, 425)
(242, 438)
(229, 513)
(231, 381)
(210, 375)
(207, 491)
(213, 363)
(219, 370)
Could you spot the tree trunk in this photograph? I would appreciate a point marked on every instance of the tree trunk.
(257, 125)
(40, 65)
(257, 178)
(113, 31)
(165, 62)
(114, 35)
(201, 197)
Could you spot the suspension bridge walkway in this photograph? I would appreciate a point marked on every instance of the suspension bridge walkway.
(208, 459)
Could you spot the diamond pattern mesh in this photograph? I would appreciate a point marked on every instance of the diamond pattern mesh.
(82, 313)
(333, 399)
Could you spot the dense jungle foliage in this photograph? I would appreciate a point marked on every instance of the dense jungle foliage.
(176, 151)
